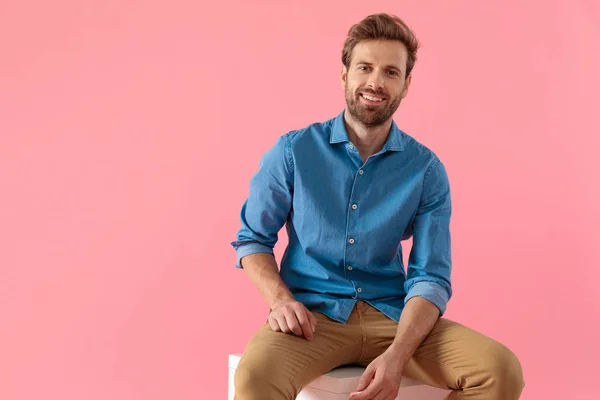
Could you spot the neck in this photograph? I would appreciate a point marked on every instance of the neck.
(368, 139)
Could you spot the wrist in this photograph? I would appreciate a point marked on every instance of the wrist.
(280, 299)
(399, 353)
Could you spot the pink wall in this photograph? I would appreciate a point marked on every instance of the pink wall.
(128, 134)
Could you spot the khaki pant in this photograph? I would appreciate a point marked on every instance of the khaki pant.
(276, 366)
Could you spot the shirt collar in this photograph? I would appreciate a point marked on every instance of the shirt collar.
(340, 135)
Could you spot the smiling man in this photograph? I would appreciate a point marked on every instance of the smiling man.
(349, 190)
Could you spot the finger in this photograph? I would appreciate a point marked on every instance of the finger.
(273, 324)
(392, 392)
(292, 323)
(368, 383)
(382, 395)
(364, 395)
(281, 320)
(366, 378)
(370, 392)
(390, 396)
(302, 316)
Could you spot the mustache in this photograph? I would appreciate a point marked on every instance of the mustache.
(372, 92)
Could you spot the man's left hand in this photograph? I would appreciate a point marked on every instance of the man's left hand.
(381, 379)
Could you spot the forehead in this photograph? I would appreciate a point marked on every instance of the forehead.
(383, 52)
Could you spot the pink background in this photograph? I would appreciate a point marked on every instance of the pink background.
(129, 131)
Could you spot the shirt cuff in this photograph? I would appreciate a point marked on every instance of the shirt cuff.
(245, 249)
(430, 291)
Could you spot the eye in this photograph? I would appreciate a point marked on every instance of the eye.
(393, 73)
(363, 68)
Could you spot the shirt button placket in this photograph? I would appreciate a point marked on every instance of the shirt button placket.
(354, 207)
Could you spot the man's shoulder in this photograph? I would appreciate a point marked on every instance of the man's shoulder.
(315, 131)
(418, 148)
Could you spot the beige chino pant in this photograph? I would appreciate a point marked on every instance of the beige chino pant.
(276, 365)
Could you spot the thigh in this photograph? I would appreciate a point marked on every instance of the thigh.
(456, 357)
(452, 356)
(277, 365)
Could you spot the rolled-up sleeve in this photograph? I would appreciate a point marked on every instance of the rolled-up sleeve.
(430, 262)
(268, 205)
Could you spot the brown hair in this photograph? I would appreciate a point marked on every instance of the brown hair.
(382, 27)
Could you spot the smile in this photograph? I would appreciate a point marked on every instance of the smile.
(371, 99)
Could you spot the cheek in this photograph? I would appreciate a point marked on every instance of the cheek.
(400, 90)
(355, 83)
(350, 88)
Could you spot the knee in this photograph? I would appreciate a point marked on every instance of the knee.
(258, 381)
(506, 373)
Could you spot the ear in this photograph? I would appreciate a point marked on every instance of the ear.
(406, 86)
(344, 76)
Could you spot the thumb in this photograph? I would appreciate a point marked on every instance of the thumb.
(366, 378)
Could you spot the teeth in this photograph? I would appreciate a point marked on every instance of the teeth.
(366, 96)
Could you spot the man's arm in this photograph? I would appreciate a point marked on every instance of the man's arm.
(430, 260)
(263, 215)
(428, 284)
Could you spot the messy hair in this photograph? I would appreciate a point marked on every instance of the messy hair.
(381, 27)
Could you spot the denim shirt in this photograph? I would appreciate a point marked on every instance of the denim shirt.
(345, 220)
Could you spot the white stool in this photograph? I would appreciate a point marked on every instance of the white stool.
(339, 383)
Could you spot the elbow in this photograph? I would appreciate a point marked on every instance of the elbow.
(436, 291)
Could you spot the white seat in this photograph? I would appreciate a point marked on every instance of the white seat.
(339, 383)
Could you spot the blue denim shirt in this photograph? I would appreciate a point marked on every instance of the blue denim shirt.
(346, 219)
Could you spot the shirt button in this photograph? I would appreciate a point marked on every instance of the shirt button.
(354, 206)
(351, 241)
(350, 268)
(360, 172)
(351, 147)
(359, 290)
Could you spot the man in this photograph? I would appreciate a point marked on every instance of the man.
(349, 190)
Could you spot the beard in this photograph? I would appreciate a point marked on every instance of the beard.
(371, 115)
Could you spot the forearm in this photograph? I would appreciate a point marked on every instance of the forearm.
(416, 322)
(263, 272)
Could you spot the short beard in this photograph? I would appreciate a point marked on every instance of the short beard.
(366, 114)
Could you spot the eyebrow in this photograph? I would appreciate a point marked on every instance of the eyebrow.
(370, 64)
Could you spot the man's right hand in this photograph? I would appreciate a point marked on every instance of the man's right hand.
(291, 316)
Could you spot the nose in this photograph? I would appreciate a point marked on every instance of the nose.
(376, 80)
